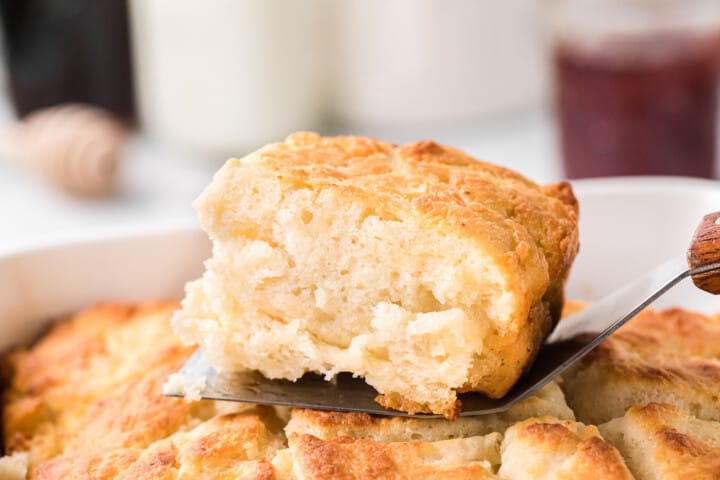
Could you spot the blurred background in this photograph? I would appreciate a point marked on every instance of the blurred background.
(115, 112)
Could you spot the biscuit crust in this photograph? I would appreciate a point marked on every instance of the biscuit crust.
(548, 448)
(663, 441)
(343, 457)
(86, 402)
(668, 356)
(549, 401)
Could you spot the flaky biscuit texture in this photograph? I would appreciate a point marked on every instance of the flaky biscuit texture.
(416, 267)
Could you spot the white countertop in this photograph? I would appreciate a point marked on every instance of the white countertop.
(159, 185)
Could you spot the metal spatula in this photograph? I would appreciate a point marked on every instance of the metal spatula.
(572, 339)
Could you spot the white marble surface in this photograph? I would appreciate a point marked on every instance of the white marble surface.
(159, 185)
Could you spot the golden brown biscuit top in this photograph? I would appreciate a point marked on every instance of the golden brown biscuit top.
(673, 346)
(100, 349)
(226, 446)
(663, 441)
(345, 458)
(86, 402)
(548, 448)
(103, 349)
(548, 401)
(671, 356)
(439, 183)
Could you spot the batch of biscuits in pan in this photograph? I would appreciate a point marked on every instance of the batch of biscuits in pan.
(416, 267)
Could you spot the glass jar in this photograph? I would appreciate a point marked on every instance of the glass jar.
(636, 86)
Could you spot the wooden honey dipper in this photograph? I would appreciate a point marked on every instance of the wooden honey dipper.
(76, 147)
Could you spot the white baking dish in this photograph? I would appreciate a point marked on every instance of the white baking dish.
(627, 226)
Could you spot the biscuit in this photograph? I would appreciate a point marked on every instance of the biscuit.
(343, 457)
(79, 362)
(86, 402)
(416, 267)
(670, 356)
(549, 448)
(664, 441)
(226, 446)
(548, 401)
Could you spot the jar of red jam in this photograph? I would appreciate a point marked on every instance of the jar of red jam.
(636, 86)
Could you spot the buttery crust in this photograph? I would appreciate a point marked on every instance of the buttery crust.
(664, 441)
(86, 402)
(525, 235)
(535, 448)
(549, 448)
(226, 446)
(549, 401)
(78, 363)
(345, 458)
(660, 356)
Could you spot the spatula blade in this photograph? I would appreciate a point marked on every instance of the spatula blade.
(344, 394)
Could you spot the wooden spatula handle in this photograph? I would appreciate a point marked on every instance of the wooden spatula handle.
(705, 250)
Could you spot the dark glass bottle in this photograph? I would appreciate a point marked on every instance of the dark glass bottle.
(61, 51)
